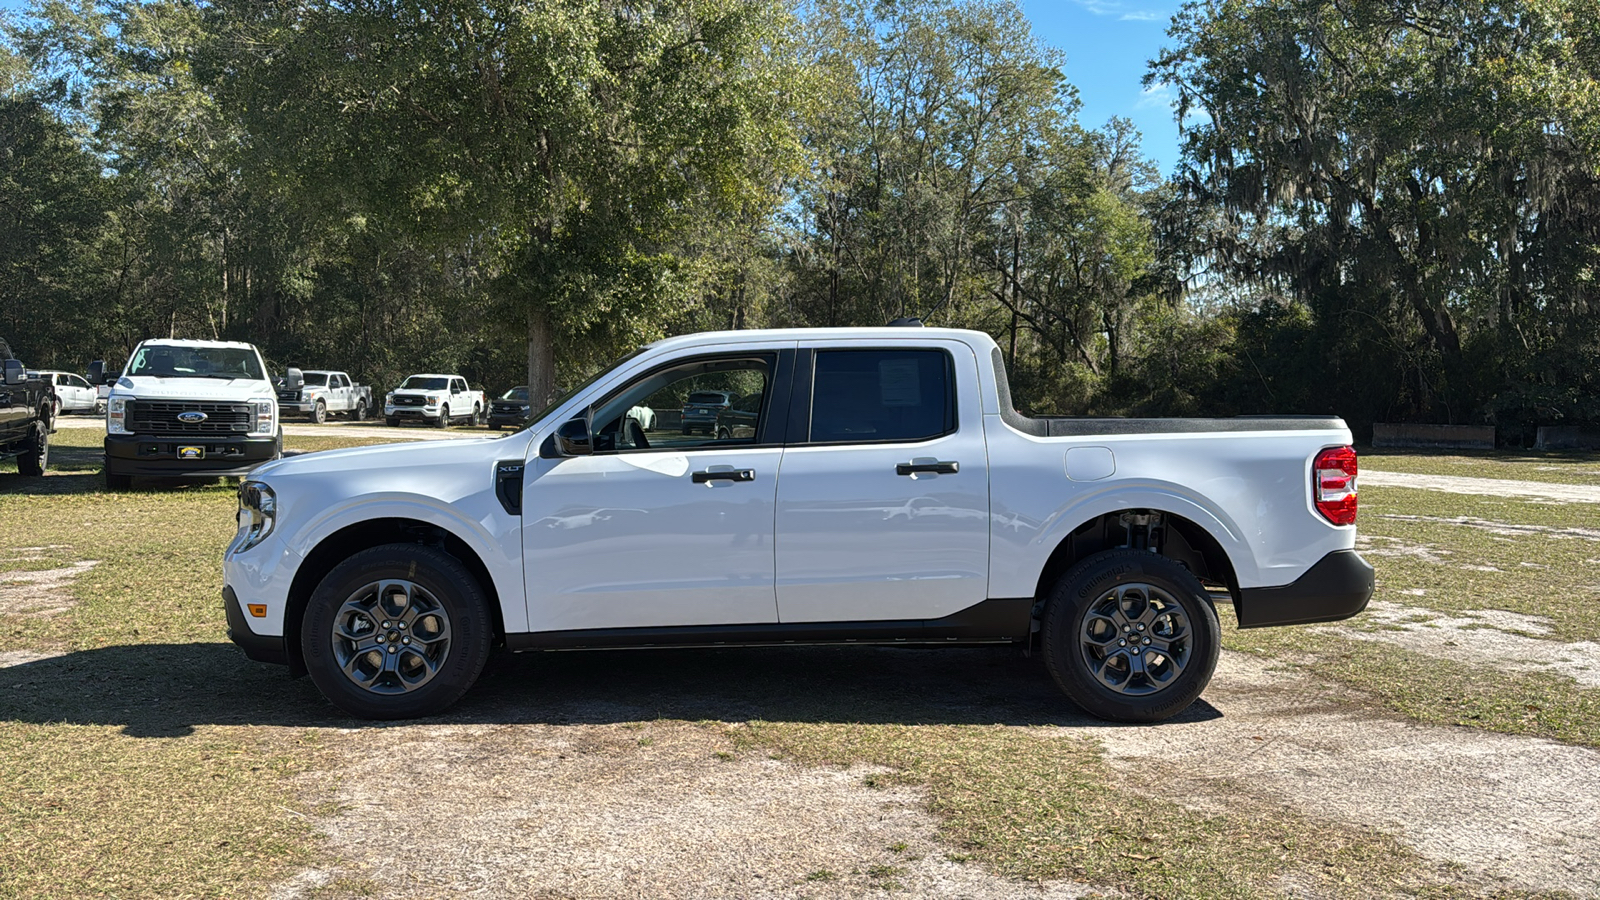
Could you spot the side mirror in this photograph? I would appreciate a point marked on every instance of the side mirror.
(16, 373)
(573, 438)
(293, 379)
(97, 372)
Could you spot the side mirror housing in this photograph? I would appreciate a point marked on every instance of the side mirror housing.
(16, 373)
(573, 438)
(293, 379)
(97, 372)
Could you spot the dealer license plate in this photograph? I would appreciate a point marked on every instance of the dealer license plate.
(191, 453)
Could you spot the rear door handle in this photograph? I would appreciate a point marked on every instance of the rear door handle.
(950, 467)
(724, 475)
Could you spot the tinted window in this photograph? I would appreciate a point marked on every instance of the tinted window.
(686, 405)
(319, 379)
(419, 383)
(881, 395)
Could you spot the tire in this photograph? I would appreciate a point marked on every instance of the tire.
(1104, 619)
(55, 410)
(444, 417)
(344, 632)
(115, 482)
(477, 415)
(319, 413)
(392, 421)
(723, 433)
(360, 412)
(33, 462)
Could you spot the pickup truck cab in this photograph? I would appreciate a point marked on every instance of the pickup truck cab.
(189, 409)
(887, 492)
(439, 398)
(322, 391)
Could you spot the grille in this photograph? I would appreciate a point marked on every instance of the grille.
(410, 401)
(289, 396)
(161, 417)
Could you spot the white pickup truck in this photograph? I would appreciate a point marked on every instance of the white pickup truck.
(188, 409)
(318, 392)
(885, 492)
(439, 398)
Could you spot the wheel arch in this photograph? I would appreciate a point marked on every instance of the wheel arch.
(1177, 538)
(352, 539)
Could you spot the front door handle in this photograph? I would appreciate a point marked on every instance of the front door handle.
(724, 475)
(950, 467)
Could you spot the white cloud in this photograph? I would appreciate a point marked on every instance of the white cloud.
(1157, 96)
(1119, 9)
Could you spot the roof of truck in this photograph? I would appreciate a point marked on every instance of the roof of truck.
(178, 342)
(875, 333)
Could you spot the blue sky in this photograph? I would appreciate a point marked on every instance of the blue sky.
(1107, 44)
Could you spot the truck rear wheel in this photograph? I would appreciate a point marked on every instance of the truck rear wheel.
(1130, 636)
(396, 631)
(33, 461)
(360, 412)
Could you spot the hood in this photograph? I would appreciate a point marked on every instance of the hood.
(416, 457)
(149, 387)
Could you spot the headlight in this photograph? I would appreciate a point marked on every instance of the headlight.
(263, 416)
(116, 415)
(389, 398)
(433, 399)
(258, 512)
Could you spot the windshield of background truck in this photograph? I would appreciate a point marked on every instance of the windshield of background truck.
(518, 394)
(166, 361)
(319, 379)
(418, 383)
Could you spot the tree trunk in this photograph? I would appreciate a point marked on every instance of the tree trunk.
(541, 358)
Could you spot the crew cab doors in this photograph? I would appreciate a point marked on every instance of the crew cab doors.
(861, 494)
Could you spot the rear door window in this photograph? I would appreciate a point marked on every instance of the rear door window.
(881, 396)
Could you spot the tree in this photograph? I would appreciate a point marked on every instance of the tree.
(570, 144)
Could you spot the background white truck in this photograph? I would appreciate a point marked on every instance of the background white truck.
(189, 409)
(439, 399)
(323, 391)
(886, 492)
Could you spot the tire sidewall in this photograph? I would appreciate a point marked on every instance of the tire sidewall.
(1088, 581)
(464, 601)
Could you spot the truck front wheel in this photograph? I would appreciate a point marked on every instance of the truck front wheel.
(319, 412)
(444, 417)
(1130, 636)
(396, 631)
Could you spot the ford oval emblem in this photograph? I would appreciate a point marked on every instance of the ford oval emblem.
(192, 418)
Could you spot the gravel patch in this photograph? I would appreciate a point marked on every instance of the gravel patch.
(660, 810)
(1490, 638)
(9, 658)
(1524, 811)
(40, 593)
(1508, 529)
(1491, 487)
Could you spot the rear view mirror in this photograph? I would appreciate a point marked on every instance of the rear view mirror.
(293, 379)
(16, 373)
(97, 372)
(573, 438)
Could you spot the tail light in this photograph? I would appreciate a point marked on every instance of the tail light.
(1333, 484)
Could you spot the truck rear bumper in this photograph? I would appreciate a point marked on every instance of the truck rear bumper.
(1337, 587)
(157, 456)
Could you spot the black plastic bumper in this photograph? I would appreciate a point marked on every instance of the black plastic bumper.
(259, 647)
(1337, 587)
(156, 456)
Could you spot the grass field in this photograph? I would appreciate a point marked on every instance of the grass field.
(141, 755)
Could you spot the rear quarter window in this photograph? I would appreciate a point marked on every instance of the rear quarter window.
(880, 396)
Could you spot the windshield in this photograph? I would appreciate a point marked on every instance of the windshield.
(519, 394)
(708, 397)
(317, 378)
(167, 361)
(419, 383)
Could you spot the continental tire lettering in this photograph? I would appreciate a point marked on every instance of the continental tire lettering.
(1093, 587)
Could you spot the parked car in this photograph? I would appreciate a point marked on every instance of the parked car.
(27, 415)
(701, 408)
(891, 494)
(323, 391)
(740, 419)
(510, 409)
(74, 394)
(189, 409)
(440, 398)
